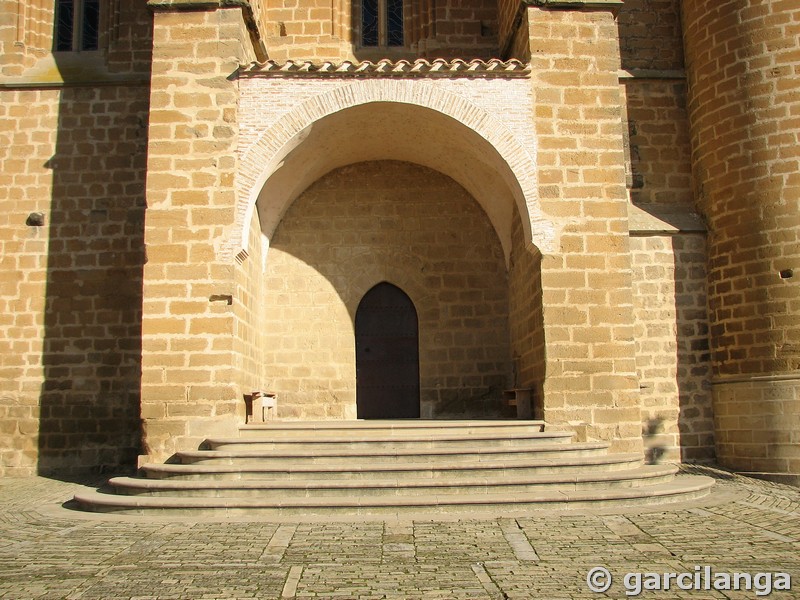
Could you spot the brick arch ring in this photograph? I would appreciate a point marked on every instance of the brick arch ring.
(266, 154)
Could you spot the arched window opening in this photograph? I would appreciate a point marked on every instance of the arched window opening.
(382, 23)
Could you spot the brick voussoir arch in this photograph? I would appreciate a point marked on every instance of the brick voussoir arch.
(264, 155)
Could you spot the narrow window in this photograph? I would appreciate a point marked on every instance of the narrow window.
(77, 25)
(394, 22)
(369, 22)
(90, 25)
(65, 22)
(381, 23)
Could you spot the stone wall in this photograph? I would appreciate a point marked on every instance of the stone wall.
(71, 293)
(671, 333)
(249, 314)
(586, 283)
(410, 226)
(26, 44)
(526, 324)
(660, 167)
(671, 327)
(320, 31)
(535, 282)
(743, 105)
(189, 383)
(508, 12)
(73, 151)
(758, 424)
(650, 35)
(26, 34)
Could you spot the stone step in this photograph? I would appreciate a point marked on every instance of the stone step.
(393, 468)
(316, 441)
(388, 428)
(443, 469)
(491, 483)
(299, 456)
(392, 487)
(682, 488)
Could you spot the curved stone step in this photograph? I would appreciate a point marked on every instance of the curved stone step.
(680, 489)
(443, 469)
(315, 441)
(298, 456)
(389, 428)
(492, 482)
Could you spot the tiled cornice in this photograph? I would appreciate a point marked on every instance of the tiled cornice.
(389, 68)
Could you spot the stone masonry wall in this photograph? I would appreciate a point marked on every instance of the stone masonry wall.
(249, 314)
(71, 291)
(525, 314)
(71, 287)
(743, 104)
(23, 271)
(189, 382)
(758, 425)
(587, 296)
(464, 29)
(671, 333)
(742, 61)
(650, 34)
(319, 30)
(659, 151)
(410, 226)
(513, 35)
(26, 34)
(26, 42)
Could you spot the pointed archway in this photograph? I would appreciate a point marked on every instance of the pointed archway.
(387, 355)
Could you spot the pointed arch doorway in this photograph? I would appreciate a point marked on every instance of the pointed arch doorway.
(387, 355)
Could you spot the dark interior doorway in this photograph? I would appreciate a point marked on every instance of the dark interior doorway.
(387, 355)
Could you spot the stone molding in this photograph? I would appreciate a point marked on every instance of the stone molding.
(655, 74)
(575, 4)
(652, 219)
(741, 379)
(389, 68)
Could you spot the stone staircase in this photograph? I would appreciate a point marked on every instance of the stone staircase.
(393, 468)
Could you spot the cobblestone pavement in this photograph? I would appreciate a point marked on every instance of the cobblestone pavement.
(47, 551)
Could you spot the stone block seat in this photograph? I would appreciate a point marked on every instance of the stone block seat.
(391, 468)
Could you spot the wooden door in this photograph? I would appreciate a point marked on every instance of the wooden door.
(387, 355)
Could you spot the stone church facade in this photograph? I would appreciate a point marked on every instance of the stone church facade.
(598, 201)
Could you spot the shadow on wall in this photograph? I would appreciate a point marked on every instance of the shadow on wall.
(90, 397)
(695, 417)
(678, 425)
(650, 35)
(412, 226)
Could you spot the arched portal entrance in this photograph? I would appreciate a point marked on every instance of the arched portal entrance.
(354, 198)
(387, 355)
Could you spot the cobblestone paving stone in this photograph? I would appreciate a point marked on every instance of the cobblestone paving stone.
(47, 551)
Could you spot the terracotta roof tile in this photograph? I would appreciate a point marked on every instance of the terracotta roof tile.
(389, 68)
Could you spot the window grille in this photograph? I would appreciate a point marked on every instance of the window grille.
(382, 23)
(77, 25)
